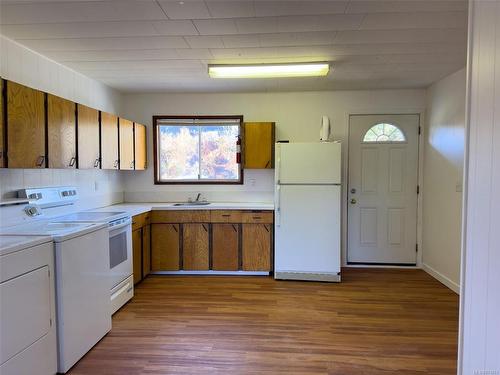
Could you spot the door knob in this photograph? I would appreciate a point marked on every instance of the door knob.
(353, 201)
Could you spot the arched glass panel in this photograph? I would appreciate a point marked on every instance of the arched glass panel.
(384, 132)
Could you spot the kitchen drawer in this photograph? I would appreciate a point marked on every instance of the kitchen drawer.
(257, 217)
(225, 216)
(138, 221)
(181, 216)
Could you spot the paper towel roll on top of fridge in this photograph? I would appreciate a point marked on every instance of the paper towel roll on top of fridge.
(324, 133)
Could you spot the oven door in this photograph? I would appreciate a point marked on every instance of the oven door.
(120, 252)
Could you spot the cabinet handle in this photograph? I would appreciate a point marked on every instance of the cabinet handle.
(234, 228)
(97, 162)
(72, 161)
(257, 217)
(115, 164)
(226, 215)
(175, 228)
(204, 227)
(268, 163)
(266, 228)
(40, 161)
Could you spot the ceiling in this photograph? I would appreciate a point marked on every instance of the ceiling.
(163, 45)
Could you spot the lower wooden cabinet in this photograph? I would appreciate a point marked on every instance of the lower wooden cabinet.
(225, 247)
(256, 247)
(137, 254)
(195, 246)
(141, 246)
(165, 246)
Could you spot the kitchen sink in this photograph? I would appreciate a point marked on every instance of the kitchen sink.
(192, 204)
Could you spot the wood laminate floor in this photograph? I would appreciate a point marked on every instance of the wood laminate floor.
(375, 322)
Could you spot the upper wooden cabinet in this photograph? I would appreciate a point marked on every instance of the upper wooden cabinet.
(25, 127)
(61, 130)
(2, 128)
(109, 141)
(140, 147)
(258, 145)
(126, 144)
(88, 137)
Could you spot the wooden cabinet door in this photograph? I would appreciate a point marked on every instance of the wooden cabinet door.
(165, 247)
(195, 247)
(109, 141)
(258, 145)
(2, 128)
(225, 247)
(88, 138)
(61, 121)
(137, 254)
(146, 250)
(25, 127)
(256, 247)
(140, 147)
(126, 144)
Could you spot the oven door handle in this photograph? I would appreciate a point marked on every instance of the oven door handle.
(119, 226)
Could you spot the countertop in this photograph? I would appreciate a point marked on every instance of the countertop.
(139, 208)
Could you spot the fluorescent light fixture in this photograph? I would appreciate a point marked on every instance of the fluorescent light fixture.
(269, 70)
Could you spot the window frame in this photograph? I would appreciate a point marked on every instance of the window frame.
(385, 142)
(158, 181)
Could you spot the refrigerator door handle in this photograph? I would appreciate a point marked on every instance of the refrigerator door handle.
(278, 206)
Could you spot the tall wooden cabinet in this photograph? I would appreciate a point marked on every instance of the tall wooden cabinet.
(2, 128)
(109, 141)
(126, 128)
(88, 137)
(258, 144)
(140, 147)
(61, 131)
(25, 127)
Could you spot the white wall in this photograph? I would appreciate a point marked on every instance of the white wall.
(480, 303)
(24, 66)
(443, 174)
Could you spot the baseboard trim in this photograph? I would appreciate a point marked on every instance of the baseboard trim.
(213, 273)
(441, 278)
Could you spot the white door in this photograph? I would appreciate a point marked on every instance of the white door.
(382, 189)
(307, 229)
(308, 163)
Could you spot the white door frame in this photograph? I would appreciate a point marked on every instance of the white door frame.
(385, 111)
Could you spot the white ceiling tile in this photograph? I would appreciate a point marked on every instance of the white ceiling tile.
(79, 30)
(237, 41)
(175, 27)
(194, 53)
(133, 65)
(230, 9)
(399, 6)
(96, 44)
(113, 55)
(401, 36)
(116, 10)
(291, 8)
(313, 51)
(216, 27)
(256, 25)
(437, 20)
(187, 9)
(319, 23)
(204, 41)
(297, 39)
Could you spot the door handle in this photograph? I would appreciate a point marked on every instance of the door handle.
(353, 201)
(72, 161)
(97, 162)
(131, 165)
(115, 164)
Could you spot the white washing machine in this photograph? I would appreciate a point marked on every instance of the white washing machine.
(82, 284)
(28, 324)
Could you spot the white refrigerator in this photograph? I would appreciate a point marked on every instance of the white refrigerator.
(307, 218)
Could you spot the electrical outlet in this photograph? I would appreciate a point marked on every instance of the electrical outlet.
(252, 182)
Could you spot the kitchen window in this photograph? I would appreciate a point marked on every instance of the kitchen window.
(197, 150)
